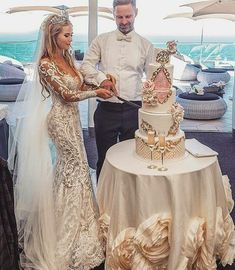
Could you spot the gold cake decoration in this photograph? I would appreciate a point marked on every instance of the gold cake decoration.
(158, 88)
(170, 145)
(177, 112)
(146, 126)
(172, 46)
(163, 57)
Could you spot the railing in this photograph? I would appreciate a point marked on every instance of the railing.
(209, 54)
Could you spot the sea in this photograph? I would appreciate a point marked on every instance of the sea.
(22, 48)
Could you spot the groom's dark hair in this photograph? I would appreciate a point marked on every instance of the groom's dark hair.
(124, 2)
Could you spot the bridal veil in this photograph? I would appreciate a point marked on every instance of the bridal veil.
(31, 163)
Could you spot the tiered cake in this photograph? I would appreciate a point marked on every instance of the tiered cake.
(160, 114)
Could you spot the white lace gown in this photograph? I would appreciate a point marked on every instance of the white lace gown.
(79, 246)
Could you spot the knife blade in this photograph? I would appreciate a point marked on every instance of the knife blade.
(129, 102)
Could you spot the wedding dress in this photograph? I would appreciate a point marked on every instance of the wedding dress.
(78, 245)
(55, 207)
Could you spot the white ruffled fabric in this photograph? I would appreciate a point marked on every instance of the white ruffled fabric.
(197, 254)
(146, 247)
(228, 192)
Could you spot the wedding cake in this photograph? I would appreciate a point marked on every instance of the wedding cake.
(160, 115)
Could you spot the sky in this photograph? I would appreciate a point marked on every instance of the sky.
(148, 22)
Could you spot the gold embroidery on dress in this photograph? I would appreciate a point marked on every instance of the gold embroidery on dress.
(79, 246)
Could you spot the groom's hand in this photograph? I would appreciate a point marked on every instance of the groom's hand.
(109, 84)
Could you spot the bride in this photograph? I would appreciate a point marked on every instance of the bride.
(55, 208)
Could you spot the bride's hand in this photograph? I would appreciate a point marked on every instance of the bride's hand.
(111, 78)
(104, 93)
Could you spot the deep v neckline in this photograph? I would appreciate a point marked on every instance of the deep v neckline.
(63, 72)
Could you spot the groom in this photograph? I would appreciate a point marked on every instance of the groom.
(125, 55)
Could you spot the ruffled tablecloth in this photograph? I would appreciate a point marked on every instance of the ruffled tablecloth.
(174, 220)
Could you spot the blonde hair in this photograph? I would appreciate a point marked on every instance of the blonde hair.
(52, 27)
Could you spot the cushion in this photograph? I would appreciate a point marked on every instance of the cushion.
(11, 81)
(193, 96)
(197, 65)
(214, 70)
(10, 71)
(213, 75)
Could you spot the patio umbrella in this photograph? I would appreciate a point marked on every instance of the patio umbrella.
(212, 7)
(58, 9)
(86, 14)
(189, 15)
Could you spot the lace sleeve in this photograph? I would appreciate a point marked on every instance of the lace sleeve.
(51, 77)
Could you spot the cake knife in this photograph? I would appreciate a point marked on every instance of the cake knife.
(122, 99)
(128, 102)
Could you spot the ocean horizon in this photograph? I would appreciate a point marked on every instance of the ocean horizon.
(21, 46)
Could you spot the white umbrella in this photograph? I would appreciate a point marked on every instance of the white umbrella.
(212, 7)
(100, 15)
(189, 15)
(58, 9)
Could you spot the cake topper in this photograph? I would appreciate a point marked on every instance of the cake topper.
(163, 56)
(172, 46)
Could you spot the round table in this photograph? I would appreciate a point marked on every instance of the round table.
(171, 219)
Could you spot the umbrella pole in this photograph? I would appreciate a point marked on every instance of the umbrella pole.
(200, 59)
(202, 35)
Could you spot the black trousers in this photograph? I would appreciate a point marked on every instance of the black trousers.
(114, 122)
(4, 131)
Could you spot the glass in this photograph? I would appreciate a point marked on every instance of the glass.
(162, 148)
(152, 146)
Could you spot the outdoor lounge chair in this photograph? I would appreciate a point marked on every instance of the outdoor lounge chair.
(184, 70)
(206, 107)
(11, 79)
(213, 75)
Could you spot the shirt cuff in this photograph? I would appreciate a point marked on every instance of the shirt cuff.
(101, 77)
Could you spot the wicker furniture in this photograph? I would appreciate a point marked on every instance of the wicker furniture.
(211, 106)
(213, 75)
(9, 88)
